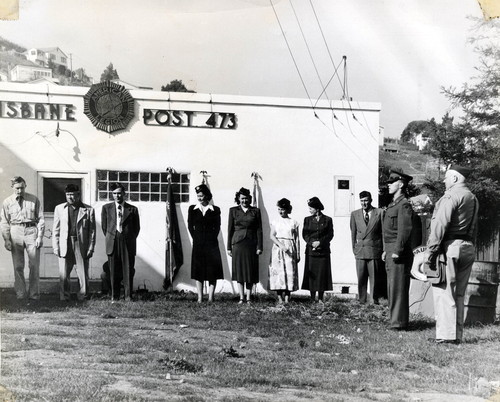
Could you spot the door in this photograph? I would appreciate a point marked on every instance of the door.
(51, 187)
(343, 195)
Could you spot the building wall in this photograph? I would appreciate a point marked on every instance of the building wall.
(297, 155)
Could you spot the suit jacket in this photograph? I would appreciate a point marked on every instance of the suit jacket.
(204, 229)
(243, 226)
(85, 229)
(367, 239)
(318, 230)
(130, 226)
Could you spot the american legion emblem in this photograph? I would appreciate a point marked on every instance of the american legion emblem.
(109, 106)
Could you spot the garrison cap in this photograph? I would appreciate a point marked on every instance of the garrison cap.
(398, 175)
(463, 170)
(203, 188)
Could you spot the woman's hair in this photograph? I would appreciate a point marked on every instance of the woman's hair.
(285, 204)
(242, 191)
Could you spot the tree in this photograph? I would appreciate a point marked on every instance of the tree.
(413, 129)
(475, 139)
(175, 86)
(109, 74)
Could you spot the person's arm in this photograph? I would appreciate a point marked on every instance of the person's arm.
(217, 221)
(190, 221)
(296, 239)
(56, 230)
(405, 224)
(40, 223)
(92, 234)
(5, 225)
(306, 232)
(137, 221)
(353, 230)
(326, 235)
(259, 232)
(440, 222)
(104, 220)
(230, 232)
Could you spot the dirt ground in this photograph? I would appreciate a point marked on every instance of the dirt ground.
(43, 342)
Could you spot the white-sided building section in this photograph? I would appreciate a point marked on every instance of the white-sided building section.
(329, 151)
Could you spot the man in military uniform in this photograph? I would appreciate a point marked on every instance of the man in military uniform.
(22, 229)
(398, 256)
(453, 230)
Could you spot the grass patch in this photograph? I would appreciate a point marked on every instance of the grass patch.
(169, 347)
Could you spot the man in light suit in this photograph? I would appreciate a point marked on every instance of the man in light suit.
(367, 246)
(121, 226)
(73, 240)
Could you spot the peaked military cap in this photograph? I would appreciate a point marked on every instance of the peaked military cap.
(398, 175)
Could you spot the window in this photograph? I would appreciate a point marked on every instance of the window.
(63, 59)
(52, 56)
(33, 52)
(143, 186)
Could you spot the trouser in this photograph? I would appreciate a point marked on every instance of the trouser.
(73, 257)
(366, 269)
(398, 287)
(24, 238)
(449, 296)
(121, 268)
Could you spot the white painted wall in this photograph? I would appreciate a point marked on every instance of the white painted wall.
(296, 153)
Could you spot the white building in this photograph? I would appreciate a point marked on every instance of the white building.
(42, 56)
(25, 73)
(298, 152)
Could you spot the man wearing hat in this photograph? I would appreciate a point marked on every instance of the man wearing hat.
(453, 231)
(22, 229)
(73, 240)
(398, 256)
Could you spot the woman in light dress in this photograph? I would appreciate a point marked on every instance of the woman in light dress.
(285, 254)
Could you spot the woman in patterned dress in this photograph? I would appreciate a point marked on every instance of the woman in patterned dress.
(285, 254)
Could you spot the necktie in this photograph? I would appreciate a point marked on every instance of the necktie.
(120, 218)
(367, 217)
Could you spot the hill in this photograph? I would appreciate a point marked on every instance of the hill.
(411, 161)
(8, 45)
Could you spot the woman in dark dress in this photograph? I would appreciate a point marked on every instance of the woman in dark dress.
(204, 226)
(244, 242)
(317, 232)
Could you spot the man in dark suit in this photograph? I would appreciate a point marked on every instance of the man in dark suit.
(367, 246)
(73, 240)
(120, 224)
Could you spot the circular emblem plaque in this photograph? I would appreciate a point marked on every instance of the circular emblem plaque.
(109, 106)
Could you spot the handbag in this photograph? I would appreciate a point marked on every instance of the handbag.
(436, 272)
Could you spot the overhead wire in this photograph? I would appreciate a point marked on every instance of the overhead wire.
(344, 83)
(317, 72)
(310, 53)
(291, 54)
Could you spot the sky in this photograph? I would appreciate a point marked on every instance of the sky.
(398, 52)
